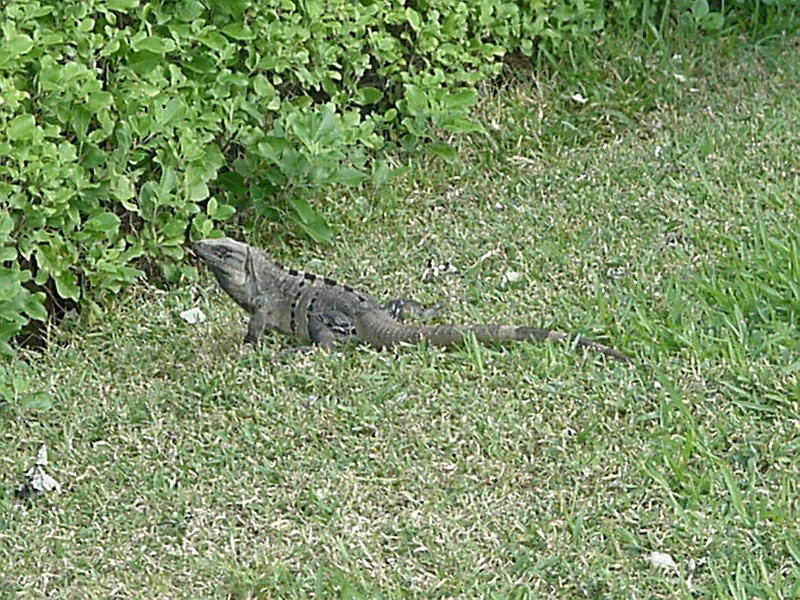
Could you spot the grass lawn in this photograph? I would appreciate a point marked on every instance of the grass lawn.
(193, 467)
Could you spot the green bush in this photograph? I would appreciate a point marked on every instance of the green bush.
(126, 126)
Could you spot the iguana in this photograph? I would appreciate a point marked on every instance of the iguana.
(319, 310)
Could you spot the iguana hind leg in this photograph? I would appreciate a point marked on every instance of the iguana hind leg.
(329, 327)
(400, 307)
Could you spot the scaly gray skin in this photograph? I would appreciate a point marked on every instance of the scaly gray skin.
(318, 310)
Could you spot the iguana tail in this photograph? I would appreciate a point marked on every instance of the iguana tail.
(380, 332)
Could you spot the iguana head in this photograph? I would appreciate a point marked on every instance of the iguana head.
(232, 265)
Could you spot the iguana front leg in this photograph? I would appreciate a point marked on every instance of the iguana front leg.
(258, 318)
(258, 322)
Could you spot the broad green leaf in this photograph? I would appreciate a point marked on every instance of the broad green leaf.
(700, 8)
(11, 321)
(310, 220)
(415, 126)
(263, 87)
(170, 271)
(368, 95)
(238, 32)
(99, 100)
(189, 11)
(174, 110)
(303, 209)
(19, 44)
(198, 191)
(347, 176)
(214, 40)
(105, 221)
(200, 63)
(121, 4)
(713, 21)
(156, 45)
(148, 200)
(21, 127)
(174, 229)
(267, 211)
(459, 124)
(204, 226)
(121, 187)
(46, 260)
(211, 207)
(66, 285)
(7, 253)
(317, 230)
(327, 123)
(233, 183)
(293, 164)
(169, 180)
(143, 62)
(413, 19)
(416, 100)
(38, 401)
(34, 306)
(460, 100)
(85, 26)
(79, 120)
(93, 157)
(236, 8)
(9, 285)
(224, 212)
(67, 153)
(6, 226)
(444, 151)
(380, 173)
(272, 147)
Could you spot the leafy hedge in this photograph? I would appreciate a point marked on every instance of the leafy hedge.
(128, 126)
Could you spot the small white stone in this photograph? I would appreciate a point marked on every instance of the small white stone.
(41, 482)
(662, 559)
(41, 456)
(193, 316)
